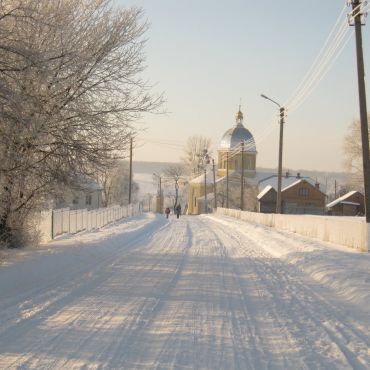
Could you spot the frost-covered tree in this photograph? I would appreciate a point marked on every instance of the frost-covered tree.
(115, 182)
(193, 153)
(353, 156)
(174, 175)
(70, 92)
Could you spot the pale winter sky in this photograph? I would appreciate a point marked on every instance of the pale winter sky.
(207, 55)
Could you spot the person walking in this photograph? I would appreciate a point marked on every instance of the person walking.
(178, 210)
(167, 212)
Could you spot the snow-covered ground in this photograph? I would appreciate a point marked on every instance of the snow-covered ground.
(201, 292)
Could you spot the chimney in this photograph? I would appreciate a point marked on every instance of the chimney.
(298, 175)
(287, 174)
(317, 185)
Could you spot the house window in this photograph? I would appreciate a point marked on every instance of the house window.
(303, 192)
(75, 200)
(195, 201)
(88, 199)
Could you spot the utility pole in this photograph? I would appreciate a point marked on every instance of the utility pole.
(242, 180)
(227, 179)
(159, 208)
(130, 176)
(149, 201)
(280, 169)
(214, 184)
(356, 12)
(205, 190)
(160, 195)
(280, 165)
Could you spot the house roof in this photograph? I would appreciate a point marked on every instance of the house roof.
(267, 188)
(210, 196)
(298, 182)
(341, 199)
(350, 203)
(200, 179)
(285, 181)
(264, 191)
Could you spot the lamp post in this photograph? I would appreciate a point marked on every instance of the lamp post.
(280, 166)
(214, 184)
(205, 161)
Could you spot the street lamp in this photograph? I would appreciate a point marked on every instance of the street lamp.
(280, 169)
(205, 161)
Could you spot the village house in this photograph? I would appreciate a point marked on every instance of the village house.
(350, 204)
(88, 197)
(299, 195)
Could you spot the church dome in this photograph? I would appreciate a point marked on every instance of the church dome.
(237, 134)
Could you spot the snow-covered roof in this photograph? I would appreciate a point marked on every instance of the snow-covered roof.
(341, 199)
(293, 184)
(350, 203)
(286, 181)
(264, 191)
(210, 196)
(200, 179)
(89, 184)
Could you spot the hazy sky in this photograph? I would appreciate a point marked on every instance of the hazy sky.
(207, 55)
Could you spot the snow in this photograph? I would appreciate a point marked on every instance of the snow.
(264, 191)
(341, 199)
(286, 181)
(200, 179)
(205, 292)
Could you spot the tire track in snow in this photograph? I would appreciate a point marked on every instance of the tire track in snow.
(253, 335)
(150, 308)
(97, 276)
(284, 278)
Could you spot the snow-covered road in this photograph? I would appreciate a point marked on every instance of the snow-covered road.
(201, 292)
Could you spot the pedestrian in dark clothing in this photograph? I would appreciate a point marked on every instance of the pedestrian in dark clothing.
(178, 210)
(167, 212)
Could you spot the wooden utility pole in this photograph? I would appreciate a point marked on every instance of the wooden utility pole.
(242, 179)
(227, 179)
(160, 195)
(130, 176)
(214, 183)
(280, 169)
(205, 190)
(356, 12)
(149, 201)
(280, 165)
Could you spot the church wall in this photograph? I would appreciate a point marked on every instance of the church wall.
(196, 191)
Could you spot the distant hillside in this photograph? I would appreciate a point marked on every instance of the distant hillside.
(331, 183)
(150, 167)
(321, 176)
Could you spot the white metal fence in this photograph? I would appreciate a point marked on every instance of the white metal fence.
(65, 221)
(352, 232)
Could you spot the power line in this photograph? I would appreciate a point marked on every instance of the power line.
(323, 62)
(316, 59)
